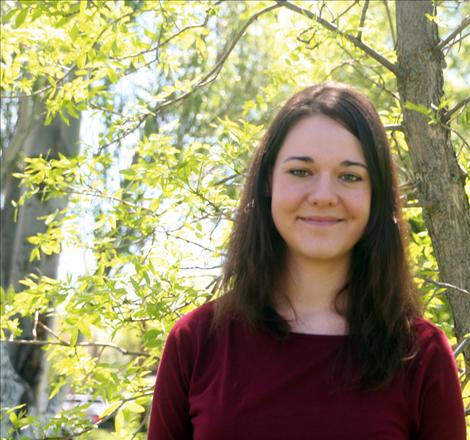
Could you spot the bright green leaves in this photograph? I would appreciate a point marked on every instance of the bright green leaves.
(38, 295)
(152, 195)
(433, 114)
(426, 272)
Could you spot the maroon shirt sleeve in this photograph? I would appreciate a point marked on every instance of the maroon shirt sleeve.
(170, 418)
(441, 410)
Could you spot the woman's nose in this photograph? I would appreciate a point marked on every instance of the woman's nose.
(323, 192)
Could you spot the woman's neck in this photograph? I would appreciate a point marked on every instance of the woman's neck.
(308, 295)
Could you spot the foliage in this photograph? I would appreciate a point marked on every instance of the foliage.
(174, 96)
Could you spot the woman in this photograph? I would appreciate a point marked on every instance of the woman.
(318, 333)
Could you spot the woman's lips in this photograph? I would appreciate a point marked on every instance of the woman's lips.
(321, 220)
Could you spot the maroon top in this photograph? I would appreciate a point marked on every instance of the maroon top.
(242, 383)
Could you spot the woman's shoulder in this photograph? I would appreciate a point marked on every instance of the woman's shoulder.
(194, 321)
(426, 329)
(431, 339)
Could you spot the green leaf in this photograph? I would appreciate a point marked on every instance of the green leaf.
(74, 337)
(134, 407)
(151, 337)
(35, 255)
(119, 421)
(21, 17)
(420, 108)
(64, 118)
(110, 409)
(83, 5)
(85, 328)
(74, 32)
(81, 59)
(13, 418)
(8, 15)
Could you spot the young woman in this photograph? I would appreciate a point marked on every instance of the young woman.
(318, 333)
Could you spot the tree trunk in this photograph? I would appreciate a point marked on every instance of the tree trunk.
(440, 181)
(23, 366)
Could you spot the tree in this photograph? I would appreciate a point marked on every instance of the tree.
(25, 364)
(182, 91)
(446, 210)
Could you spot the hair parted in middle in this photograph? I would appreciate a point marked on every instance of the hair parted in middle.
(382, 302)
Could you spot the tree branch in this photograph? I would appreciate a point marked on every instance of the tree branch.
(393, 127)
(461, 347)
(68, 436)
(456, 108)
(354, 3)
(442, 284)
(390, 23)
(330, 26)
(363, 19)
(205, 80)
(381, 85)
(465, 22)
(456, 41)
(163, 43)
(78, 344)
(464, 144)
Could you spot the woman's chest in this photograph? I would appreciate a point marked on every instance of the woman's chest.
(289, 391)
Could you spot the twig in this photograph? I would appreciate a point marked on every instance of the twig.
(346, 10)
(35, 325)
(95, 193)
(456, 108)
(78, 344)
(42, 89)
(465, 22)
(49, 330)
(422, 204)
(69, 436)
(464, 144)
(141, 425)
(226, 179)
(461, 347)
(455, 42)
(163, 43)
(169, 234)
(392, 29)
(464, 141)
(381, 85)
(393, 127)
(201, 267)
(363, 19)
(443, 284)
(207, 79)
(338, 67)
(330, 26)
(368, 78)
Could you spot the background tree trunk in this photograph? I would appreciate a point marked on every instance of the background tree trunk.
(23, 372)
(439, 179)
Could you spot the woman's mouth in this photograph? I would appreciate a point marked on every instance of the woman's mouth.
(318, 220)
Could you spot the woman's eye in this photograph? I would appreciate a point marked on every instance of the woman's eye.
(351, 178)
(299, 172)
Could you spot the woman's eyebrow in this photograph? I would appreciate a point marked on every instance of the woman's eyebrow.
(351, 163)
(301, 158)
(346, 163)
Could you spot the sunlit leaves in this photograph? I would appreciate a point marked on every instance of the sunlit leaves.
(152, 196)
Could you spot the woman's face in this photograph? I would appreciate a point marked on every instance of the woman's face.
(320, 190)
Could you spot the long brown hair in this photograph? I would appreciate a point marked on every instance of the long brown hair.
(382, 302)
